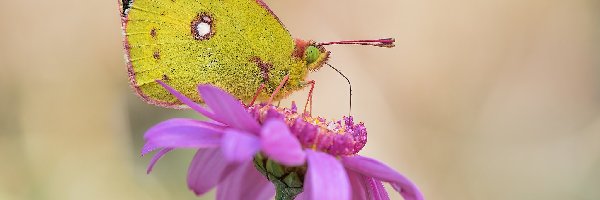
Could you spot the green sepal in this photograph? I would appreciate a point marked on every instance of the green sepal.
(288, 181)
(275, 169)
(293, 180)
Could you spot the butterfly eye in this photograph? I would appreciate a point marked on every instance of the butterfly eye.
(311, 54)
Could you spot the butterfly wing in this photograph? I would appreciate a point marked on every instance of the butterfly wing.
(233, 44)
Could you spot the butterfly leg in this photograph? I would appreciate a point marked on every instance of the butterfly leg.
(281, 84)
(309, 98)
(260, 89)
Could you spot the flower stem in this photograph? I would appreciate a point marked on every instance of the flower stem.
(286, 193)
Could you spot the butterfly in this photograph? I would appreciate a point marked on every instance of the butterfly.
(237, 45)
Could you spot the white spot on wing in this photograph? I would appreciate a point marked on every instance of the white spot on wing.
(203, 29)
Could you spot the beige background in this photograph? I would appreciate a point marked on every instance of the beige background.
(493, 99)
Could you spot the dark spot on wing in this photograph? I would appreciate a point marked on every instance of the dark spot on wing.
(153, 32)
(156, 54)
(264, 67)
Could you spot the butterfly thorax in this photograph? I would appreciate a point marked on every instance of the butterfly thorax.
(310, 57)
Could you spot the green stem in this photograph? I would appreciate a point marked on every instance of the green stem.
(286, 193)
(283, 191)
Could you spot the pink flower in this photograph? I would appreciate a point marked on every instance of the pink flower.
(294, 151)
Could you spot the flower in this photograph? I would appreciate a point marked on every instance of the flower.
(301, 155)
(331, 149)
(226, 146)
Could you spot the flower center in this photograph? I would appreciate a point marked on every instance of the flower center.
(338, 138)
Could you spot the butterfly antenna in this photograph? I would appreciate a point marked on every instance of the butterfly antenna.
(387, 42)
(350, 84)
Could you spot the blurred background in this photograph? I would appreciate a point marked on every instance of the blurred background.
(494, 99)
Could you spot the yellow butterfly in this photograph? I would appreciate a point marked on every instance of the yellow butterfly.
(237, 45)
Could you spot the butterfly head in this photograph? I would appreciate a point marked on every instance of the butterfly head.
(311, 53)
(315, 54)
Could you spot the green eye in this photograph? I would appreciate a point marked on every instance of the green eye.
(312, 54)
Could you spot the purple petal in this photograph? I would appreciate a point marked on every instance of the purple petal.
(245, 183)
(366, 188)
(156, 129)
(357, 182)
(208, 168)
(373, 168)
(182, 133)
(301, 196)
(239, 146)
(187, 101)
(325, 178)
(227, 109)
(376, 190)
(279, 143)
(157, 157)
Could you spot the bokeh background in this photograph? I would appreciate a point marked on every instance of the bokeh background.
(493, 99)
